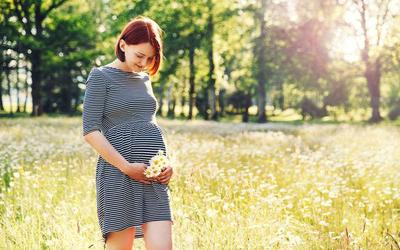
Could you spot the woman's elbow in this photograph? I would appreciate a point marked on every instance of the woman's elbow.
(88, 135)
(86, 138)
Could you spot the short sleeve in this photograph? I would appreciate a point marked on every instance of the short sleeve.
(93, 102)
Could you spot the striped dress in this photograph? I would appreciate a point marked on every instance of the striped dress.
(122, 106)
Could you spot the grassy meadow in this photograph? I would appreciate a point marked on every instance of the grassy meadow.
(236, 186)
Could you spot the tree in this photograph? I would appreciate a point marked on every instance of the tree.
(379, 13)
(184, 25)
(66, 58)
(260, 54)
(31, 16)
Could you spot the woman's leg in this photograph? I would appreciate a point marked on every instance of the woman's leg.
(158, 235)
(121, 240)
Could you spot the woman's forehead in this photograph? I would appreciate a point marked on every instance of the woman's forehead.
(144, 49)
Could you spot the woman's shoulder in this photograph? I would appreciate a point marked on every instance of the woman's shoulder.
(113, 71)
(97, 76)
(100, 71)
(95, 71)
(111, 76)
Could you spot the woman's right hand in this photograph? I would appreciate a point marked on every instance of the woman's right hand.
(136, 171)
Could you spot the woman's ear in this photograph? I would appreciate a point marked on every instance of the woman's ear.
(122, 45)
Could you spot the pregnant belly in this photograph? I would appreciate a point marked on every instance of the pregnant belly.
(136, 141)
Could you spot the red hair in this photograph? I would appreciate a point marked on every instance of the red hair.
(142, 30)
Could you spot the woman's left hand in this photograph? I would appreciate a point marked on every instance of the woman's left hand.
(165, 176)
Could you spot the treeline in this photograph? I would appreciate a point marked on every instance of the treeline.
(222, 57)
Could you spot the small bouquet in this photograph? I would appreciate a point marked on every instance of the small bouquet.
(158, 164)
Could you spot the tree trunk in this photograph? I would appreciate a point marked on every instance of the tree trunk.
(372, 68)
(247, 104)
(1, 93)
(281, 98)
(260, 55)
(206, 105)
(221, 102)
(17, 85)
(26, 87)
(161, 101)
(212, 103)
(183, 102)
(191, 82)
(37, 108)
(211, 72)
(9, 88)
(171, 107)
(373, 75)
(47, 98)
(66, 99)
(3, 66)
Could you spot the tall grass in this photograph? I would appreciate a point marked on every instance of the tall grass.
(235, 186)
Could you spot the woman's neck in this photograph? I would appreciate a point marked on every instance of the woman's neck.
(121, 65)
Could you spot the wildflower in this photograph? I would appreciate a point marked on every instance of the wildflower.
(158, 164)
(323, 223)
(211, 213)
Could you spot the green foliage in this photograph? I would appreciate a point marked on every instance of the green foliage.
(300, 54)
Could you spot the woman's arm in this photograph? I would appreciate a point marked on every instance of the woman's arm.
(108, 152)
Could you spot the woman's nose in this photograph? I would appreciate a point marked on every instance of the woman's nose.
(143, 62)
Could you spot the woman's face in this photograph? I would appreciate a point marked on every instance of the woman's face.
(137, 56)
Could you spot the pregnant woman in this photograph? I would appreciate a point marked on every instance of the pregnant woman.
(119, 123)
